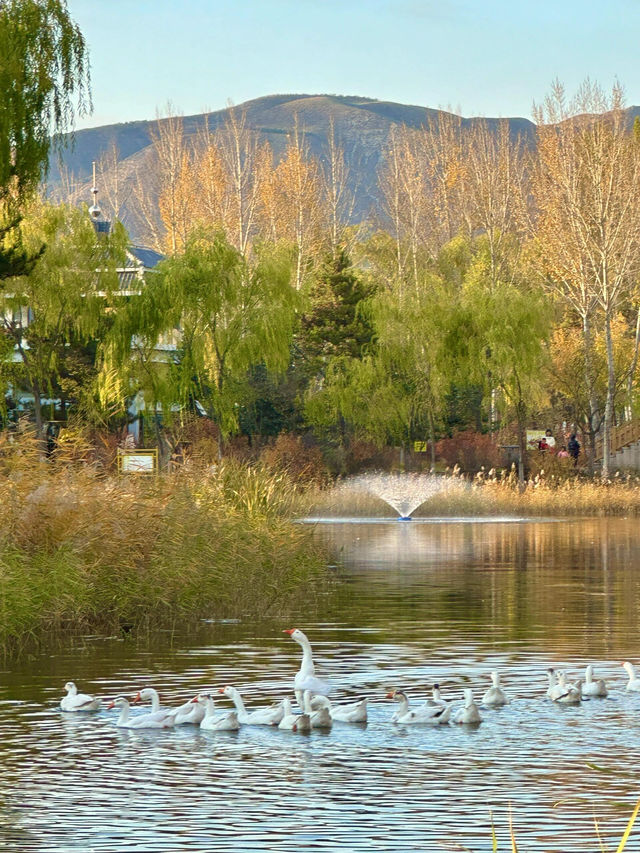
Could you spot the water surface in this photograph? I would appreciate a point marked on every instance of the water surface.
(419, 603)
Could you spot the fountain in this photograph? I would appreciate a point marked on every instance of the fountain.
(404, 493)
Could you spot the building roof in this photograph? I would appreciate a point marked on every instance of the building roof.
(148, 258)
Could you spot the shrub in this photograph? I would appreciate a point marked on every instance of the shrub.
(304, 464)
(470, 451)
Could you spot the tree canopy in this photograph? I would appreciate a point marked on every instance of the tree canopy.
(44, 78)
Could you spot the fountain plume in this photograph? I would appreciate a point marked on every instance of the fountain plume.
(404, 493)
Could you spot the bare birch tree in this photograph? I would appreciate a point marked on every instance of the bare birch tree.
(238, 149)
(298, 202)
(390, 187)
(407, 201)
(442, 149)
(494, 191)
(339, 197)
(161, 187)
(115, 191)
(173, 162)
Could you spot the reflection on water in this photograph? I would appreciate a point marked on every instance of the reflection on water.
(420, 603)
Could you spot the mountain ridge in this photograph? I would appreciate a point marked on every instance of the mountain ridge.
(362, 125)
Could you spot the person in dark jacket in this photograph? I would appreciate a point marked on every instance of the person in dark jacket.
(573, 447)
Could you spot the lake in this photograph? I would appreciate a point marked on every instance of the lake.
(417, 603)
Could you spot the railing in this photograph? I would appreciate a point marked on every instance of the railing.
(621, 436)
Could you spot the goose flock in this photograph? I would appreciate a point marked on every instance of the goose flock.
(315, 710)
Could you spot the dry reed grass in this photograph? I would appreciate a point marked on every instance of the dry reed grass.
(83, 549)
(496, 492)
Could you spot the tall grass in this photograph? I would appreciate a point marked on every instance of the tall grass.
(82, 549)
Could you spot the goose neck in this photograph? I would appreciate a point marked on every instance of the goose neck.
(306, 666)
(403, 701)
(152, 694)
(238, 701)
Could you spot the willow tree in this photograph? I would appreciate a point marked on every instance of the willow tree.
(501, 336)
(392, 391)
(44, 77)
(588, 225)
(49, 314)
(223, 316)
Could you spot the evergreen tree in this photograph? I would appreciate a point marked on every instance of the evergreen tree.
(335, 327)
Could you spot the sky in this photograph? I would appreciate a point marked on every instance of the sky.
(491, 58)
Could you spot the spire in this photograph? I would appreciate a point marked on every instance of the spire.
(102, 225)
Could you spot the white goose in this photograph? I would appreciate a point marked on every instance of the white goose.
(75, 701)
(191, 713)
(321, 717)
(469, 715)
(432, 715)
(495, 695)
(437, 698)
(145, 721)
(634, 682)
(352, 712)
(215, 722)
(270, 716)
(554, 689)
(293, 722)
(306, 676)
(591, 686)
(571, 693)
(161, 714)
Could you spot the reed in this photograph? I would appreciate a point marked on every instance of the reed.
(622, 845)
(80, 549)
(495, 492)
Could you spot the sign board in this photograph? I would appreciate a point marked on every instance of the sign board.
(420, 446)
(138, 461)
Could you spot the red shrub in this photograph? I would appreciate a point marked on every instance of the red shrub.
(366, 456)
(289, 452)
(470, 450)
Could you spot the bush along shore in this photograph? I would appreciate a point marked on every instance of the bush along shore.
(83, 551)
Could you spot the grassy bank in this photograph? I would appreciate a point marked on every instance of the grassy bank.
(496, 493)
(83, 550)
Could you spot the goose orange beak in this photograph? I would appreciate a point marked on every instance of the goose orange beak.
(111, 705)
(289, 631)
(137, 697)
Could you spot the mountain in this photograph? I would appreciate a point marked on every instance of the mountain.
(361, 124)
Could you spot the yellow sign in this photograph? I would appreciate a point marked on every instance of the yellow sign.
(138, 461)
(419, 446)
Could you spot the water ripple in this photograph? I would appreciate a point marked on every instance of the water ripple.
(78, 783)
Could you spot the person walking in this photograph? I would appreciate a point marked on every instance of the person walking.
(573, 448)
